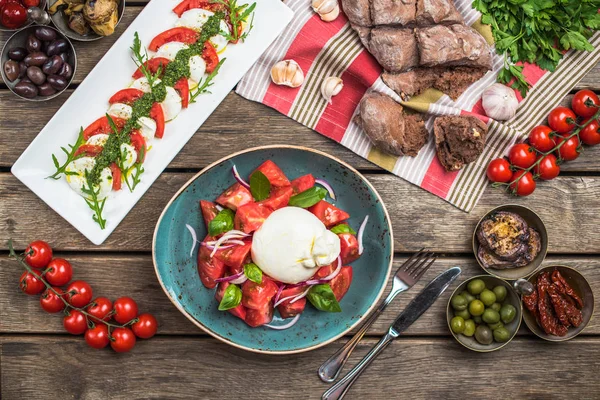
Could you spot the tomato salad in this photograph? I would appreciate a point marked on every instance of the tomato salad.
(228, 257)
(110, 152)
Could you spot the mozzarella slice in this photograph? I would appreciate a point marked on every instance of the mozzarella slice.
(128, 155)
(170, 50)
(197, 70)
(76, 177)
(120, 110)
(147, 128)
(172, 104)
(98, 140)
(143, 85)
(194, 18)
(219, 41)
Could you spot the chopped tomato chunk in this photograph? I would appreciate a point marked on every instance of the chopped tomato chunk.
(239, 311)
(102, 126)
(258, 295)
(186, 5)
(273, 173)
(251, 216)
(287, 309)
(180, 34)
(209, 211)
(89, 150)
(234, 257)
(259, 317)
(341, 283)
(235, 196)
(303, 183)
(348, 248)
(183, 87)
(325, 271)
(329, 214)
(210, 57)
(209, 268)
(152, 65)
(116, 176)
(157, 114)
(279, 198)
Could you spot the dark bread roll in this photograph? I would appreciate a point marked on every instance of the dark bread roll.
(459, 140)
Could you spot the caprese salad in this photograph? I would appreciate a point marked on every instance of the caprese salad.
(273, 243)
(184, 60)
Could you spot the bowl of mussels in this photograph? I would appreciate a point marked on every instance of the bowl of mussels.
(86, 20)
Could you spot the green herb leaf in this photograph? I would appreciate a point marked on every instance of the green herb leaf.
(322, 297)
(342, 228)
(309, 197)
(223, 222)
(61, 169)
(253, 272)
(260, 187)
(231, 298)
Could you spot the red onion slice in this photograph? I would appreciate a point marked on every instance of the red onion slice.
(233, 234)
(286, 326)
(219, 208)
(212, 246)
(230, 278)
(327, 186)
(300, 296)
(194, 238)
(361, 231)
(278, 295)
(238, 178)
(240, 280)
(284, 299)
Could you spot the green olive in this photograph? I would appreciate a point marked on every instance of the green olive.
(476, 308)
(469, 328)
(496, 307)
(457, 324)
(468, 296)
(490, 316)
(459, 303)
(483, 334)
(476, 286)
(477, 319)
(508, 313)
(464, 314)
(501, 335)
(487, 297)
(496, 325)
(500, 292)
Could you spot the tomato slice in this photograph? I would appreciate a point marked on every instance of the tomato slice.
(287, 310)
(210, 57)
(157, 114)
(250, 217)
(183, 87)
(260, 317)
(139, 143)
(273, 173)
(152, 65)
(239, 311)
(279, 198)
(341, 283)
(180, 34)
(209, 268)
(116, 176)
(257, 295)
(303, 183)
(101, 125)
(329, 214)
(89, 150)
(235, 196)
(186, 5)
(348, 248)
(234, 257)
(126, 96)
(209, 211)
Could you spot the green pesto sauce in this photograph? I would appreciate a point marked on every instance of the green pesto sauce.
(175, 70)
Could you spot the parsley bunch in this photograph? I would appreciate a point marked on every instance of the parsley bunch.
(537, 32)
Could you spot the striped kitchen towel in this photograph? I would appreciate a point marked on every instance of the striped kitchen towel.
(333, 49)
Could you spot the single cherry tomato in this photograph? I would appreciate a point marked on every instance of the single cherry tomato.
(570, 149)
(499, 170)
(30, 284)
(75, 322)
(59, 272)
(590, 135)
(100, 308)
(38, 254)
(585, 103)
(31, 3)
(522, 155)
(126, 309)
(547, 169)
(122, 340)
(525, 185)
(13, 15)
(97, 337)
(145, 327)
(51, 302)
(562, 119)
(79, 293)
(541, 139)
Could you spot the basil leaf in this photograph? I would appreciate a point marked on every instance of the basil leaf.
(342, 228)
(322, 297)
(231, 299)
(223, 222)
(253, 272)
(260, 187)
(309, 197)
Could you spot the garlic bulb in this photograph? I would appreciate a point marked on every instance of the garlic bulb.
(330, 87)
(288, 73)
(500, 102)
(328, 10)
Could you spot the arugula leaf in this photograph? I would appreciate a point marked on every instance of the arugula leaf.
(260, 187)
(93, 202)
(309, 197)
(253, 272)
(203, 85)
(231, 298)
(223, 222)
(342, 228)
(322, 297)
(61, 169)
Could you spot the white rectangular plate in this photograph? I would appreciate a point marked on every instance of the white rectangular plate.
(90, 101)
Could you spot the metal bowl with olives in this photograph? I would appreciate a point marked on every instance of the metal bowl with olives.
(38, 63)
(484, 313)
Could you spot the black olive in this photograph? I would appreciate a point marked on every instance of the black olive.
(46, 89)
(33, 44)
(64, 56)
(66, 70)
(57, 46)
(45, 34)
(17, 53)
(11, 70)
(26, 89)
(36, 75)
(53, 65)
(22, 69)
(58, 82)
(37, 58)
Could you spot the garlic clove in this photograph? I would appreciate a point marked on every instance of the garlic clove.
(328, 10)
(499, 102)
(330, 87)
(332, 15)
(287, 73)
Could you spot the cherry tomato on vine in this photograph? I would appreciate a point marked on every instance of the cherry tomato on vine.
(30, 284)
(580, 103)
(590, 135)
(100, 308)
(547, 169)
(122, 340)
(525, 185)
(522, 155)
(145, 327)
(562, 119)
(75, 322)
(97, 337)
(79, 293)
(38, 254)
(540, 138)
(51, 302)
(570, 149)
(499, 170)
(59, 272)
(126, 309)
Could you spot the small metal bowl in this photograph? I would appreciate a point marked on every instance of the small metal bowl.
(512, 297)
(60, 20)
(30, 20)
(535, 222)
(19, 39)
(580, 284)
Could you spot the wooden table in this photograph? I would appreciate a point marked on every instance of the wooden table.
(39, 360)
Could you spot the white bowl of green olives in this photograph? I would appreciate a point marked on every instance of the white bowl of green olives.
(484, 313)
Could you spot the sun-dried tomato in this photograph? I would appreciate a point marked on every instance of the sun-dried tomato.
(549, 323)
(559, 304)
(557, 277)
(531, 303)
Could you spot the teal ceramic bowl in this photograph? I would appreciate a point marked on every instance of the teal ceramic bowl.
(178, 275)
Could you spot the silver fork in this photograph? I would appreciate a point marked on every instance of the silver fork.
(406, 276)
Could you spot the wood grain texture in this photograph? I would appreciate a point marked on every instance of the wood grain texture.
(20, 313)
(197, 368)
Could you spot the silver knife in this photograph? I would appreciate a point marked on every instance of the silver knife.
(411, 313)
